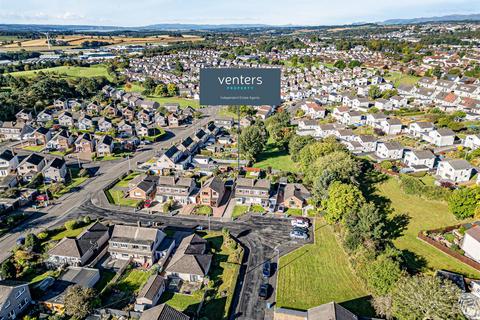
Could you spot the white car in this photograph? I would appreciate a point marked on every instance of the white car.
(300, 222)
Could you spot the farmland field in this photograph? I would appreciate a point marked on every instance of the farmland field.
(75, 41)
(74, 72)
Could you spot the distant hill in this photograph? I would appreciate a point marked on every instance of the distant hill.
(181, 26)
(448, 18)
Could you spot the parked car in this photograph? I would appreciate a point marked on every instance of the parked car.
(21, 241)
(271, 207)
(298, 235)
(281, 208)
(263, 292)
(300, 229)
(148, 203)
(267, 269)
(300, 222)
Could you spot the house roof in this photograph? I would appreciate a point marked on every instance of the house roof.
(423, 154)
(296, 190)
(190, 257)
(215, 183)
(474, 232)
(7, 155)
(135, 233)
(445, 132)
(424, 125)
(152, 286)
(163, 312)
(254, 183)
(6, 288)
(57, 163)
(330, 311)
(393, 145)
(34, 159)
(459, 164)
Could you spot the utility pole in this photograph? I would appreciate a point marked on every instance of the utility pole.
(238, 139)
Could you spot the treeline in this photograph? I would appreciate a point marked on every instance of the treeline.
(178, 47)
(19, 55)
(281, 44)
(38, 92)
(4, 69)
(95, 44)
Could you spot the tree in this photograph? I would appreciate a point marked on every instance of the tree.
(366, 226)
(382, 274)
(161, 90)
(374, 92)
(311, 152)
(340, 64)
(172, 89)
(253, 140)
(8, 270)
(425, 297)
(340, 163)
(31, 242)
(354, 63)
(70, 224)
(464, 201)
(296, 144)
(278, 127)
(342, 200)
(79, 301)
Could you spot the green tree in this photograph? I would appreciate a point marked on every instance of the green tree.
(374, 92)
(70, 224)
(354, 63)
(343, 199)
(425, 297)
(8, 270)
(252, 141)
(31, 242)
(464, 201)
(340, 64)
(382, 274)
(366, 226)
(172, 89)
(296, 144)
(79, 301)
(340, 163)
(279, 129)
(161, 90)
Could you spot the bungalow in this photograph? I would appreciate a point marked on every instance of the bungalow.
(252, 191)
(472, 141)
(419, 160)
(55, 171)
(212, 192)
(456, 170)
(138, 244)
(389, 150)
(81, 249)
(191, 262)
(163, 312)
(150, 293)
(391, 126)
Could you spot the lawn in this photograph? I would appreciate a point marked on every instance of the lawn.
(320, 273)
(402, 79)
(74, 72)
(203, 210)
(74, 183)
(276, 159)
(68, 233)
(183, 102)
(256, 208)
(294, 212)
(182, 302)
(424, 214)
(34, 148)
(132, 281)
(239, 210)
(124, 182)
(116, 197)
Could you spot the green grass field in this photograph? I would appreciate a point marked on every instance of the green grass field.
(74, 72)
(183, 102)
(402, 79)
(68, 233)
(132, 281)
(276, 159)
(116, 197)
(320, 273)
(239, 210)
(182, 302)
(424, 215)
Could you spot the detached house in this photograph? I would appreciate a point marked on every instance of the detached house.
(417, 129)
(419, 160)
(391, 126)
(61, 141)
(389, 150)
(472, 141)
(171, 159)
(314, 110)
(295, 195)
(441, 137)
(104, 146)
(456, 170)
(14, 298)
(191, 262)
(253, 191)
(55, 171)
(66, 120)
(41, 136)
(8, 163)
(31, 166)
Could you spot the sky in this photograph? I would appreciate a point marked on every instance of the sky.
(274, 12)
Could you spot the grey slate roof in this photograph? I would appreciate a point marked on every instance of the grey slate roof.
(163, 312)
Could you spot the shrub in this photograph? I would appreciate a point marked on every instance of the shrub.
(414, 186)
(42, 235)
(71, 224)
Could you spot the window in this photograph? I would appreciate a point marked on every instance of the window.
(123, 245)
(19, 292)
(114, 244)
(7, 304)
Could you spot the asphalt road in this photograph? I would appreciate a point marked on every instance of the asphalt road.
(260, 236)
(106, 172)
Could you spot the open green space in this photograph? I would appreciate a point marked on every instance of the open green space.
(320, 273)
(132, 281)
(399, 78)
(424, 215)
(183, 102)
(182, 302)
(239, 210)
(98, 70)
(276, 159)
(117, 197)
(125, 181)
